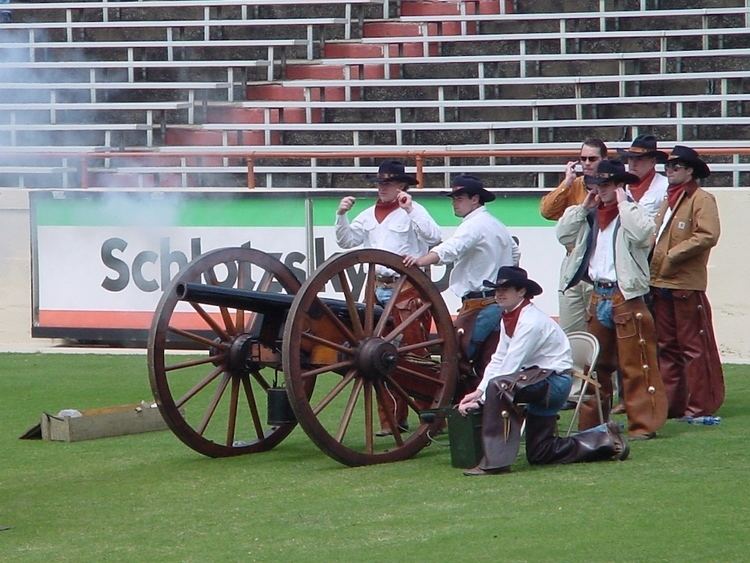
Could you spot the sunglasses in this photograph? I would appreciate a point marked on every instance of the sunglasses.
(589, 158)
(674, 166)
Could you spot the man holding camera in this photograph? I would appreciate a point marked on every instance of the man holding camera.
(611, 238)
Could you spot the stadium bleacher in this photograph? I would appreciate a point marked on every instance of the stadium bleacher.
(189, 77)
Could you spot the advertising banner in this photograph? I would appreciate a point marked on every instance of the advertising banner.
(101, 260)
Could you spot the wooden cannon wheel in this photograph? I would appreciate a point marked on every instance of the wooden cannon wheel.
(214, 401)
(358, 355)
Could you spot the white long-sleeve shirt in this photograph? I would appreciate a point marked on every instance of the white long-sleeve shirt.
(654, 196)
(477, 249)
(537, 341)
(400, 232)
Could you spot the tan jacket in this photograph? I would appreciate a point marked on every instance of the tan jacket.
(681, 252)
(554, 204)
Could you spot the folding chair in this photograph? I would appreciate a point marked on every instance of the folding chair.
(585, 349)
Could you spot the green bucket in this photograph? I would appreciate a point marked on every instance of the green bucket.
(465, 435)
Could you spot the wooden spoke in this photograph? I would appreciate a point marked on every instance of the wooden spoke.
(351, 306)
(225, 315)
(333, 393)
(383, 321)
(392, 422)
(398, 389)
(425, 344)
(239, 318)
(199, 386)
(210, 321)
(232, 423)
(330, 367)
(263, 285)
(253, 406)
(419, 375)
(261, 380)
(346, 416)
(198, 338)
(328, 343)
(368, 418)
(410, 319)
(370, 299)
(336, 321)
(192, 363)
(211, 409)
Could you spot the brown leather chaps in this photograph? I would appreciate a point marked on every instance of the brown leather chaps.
(688, 356)
(630, 348)
(501, 431)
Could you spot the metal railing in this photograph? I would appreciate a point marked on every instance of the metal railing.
(143, 169)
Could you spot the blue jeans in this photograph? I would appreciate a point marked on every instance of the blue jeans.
(487, 320)
(383, 294)
(559, 389)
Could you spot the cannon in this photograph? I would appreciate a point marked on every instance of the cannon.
(236, 331)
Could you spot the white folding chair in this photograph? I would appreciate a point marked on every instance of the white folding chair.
(585, 348)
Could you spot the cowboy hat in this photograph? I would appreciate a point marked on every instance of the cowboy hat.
(392, 171)
(471, 186)
(513, 276)
(690, 158)
(644, 145)
(612, 171)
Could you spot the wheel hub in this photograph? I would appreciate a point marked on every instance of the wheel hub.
(376, 358)
(239, 362)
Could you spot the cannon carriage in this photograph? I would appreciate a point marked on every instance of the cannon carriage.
(236, 331)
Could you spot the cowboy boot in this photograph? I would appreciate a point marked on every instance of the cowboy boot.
(544, 447)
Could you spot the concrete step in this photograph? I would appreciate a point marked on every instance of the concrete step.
(355, 49)
(229, 114)
(451, 8)
(302, 71)
(275, 91)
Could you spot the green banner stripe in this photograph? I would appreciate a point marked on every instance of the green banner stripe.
(513, 210)
(199, 212)
(223, 210)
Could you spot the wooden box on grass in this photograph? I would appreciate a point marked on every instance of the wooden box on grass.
(103, 422)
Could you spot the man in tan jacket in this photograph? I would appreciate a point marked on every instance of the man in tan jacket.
(572, 191)
(687, 227)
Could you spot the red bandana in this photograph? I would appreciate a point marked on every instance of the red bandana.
(637, 190)
(382, 210)
(674, 193)
(605, 215)
(510, 319)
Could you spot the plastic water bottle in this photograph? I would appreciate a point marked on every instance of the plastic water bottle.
(707, 420)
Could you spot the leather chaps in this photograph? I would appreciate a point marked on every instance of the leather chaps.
(688, 356)
(501, 427)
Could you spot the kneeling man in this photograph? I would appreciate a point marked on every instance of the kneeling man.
(532, 365)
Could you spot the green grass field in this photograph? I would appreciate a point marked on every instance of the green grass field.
(682, 497)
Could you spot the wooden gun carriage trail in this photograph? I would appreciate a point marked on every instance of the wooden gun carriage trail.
(341, 354)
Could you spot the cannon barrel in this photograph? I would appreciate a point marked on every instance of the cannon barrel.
(262, 302)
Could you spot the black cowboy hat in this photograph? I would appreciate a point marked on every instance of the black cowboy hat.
(470, 185)
(393, 171)
(690, 158)
(611, 170)
(514, 276)
(644, 145)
